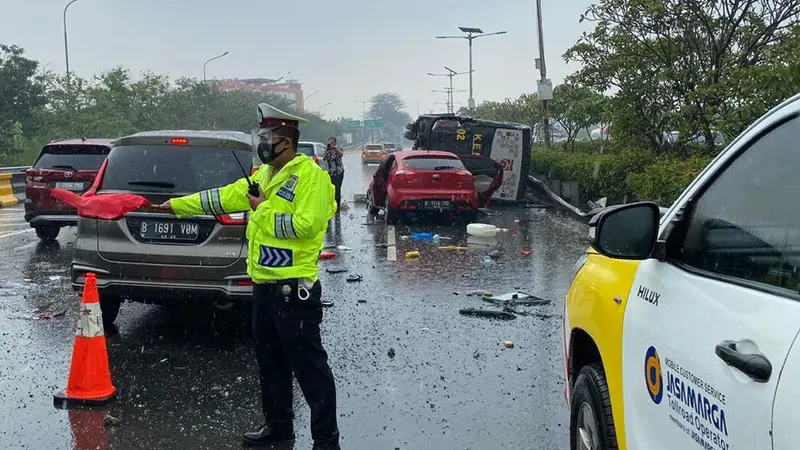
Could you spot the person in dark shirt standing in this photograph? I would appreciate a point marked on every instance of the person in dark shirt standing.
(333, 156)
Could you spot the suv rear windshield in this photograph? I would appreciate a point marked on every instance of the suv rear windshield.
(432, 163)
(72, 157)
(306, 149)
(374, 147)
(173, 169)
(389, 146)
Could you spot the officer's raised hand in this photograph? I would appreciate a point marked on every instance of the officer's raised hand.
(255, 201)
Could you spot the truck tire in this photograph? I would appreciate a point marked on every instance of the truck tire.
(109, 305)
(591, 424)
(47, 233)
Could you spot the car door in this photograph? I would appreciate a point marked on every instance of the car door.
(706, 332)
(379, 182)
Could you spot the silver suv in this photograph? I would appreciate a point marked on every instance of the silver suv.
(153, 257)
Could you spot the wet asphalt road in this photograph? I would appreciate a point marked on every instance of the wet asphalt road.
(187, 379)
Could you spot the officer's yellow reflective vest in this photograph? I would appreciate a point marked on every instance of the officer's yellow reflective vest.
(286, 231)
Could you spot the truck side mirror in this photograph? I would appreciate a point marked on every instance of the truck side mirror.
(626, 231)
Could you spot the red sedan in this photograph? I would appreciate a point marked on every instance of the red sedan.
(426, 181)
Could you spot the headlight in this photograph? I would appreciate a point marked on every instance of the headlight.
(578, 266)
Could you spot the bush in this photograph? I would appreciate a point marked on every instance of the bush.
(638, 174)
(666, 179)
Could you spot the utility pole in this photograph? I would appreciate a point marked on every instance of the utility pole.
(363, 118)
(450, 74)
(449, 92)
(472, 34)
(545, 87)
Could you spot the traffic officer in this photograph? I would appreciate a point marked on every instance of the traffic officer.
(289, 215)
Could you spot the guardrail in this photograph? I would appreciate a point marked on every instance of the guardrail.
(16, 169)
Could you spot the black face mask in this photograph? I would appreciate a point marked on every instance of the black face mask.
(266, 151)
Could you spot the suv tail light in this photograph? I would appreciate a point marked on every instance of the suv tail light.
(33, 176)
(316, 160)
(233, 219)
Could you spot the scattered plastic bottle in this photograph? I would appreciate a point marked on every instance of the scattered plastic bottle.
(487, 260)
(438, 239)
(422, 236)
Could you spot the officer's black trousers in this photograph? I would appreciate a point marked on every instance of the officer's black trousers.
(287, 339)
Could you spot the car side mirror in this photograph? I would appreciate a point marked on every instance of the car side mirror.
(625, 231)
(410, 135)
(410, 126)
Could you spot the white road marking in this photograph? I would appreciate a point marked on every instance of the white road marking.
(15, 219)
(391, 240)
(16, 233)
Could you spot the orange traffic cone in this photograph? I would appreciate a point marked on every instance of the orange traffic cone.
(89, 375)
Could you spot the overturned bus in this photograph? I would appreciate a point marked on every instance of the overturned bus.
(485, 147)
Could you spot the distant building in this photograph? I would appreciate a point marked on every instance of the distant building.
(291, 90)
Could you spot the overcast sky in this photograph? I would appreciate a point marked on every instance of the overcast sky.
(348, 50)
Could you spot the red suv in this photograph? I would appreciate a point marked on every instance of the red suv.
(71, 165)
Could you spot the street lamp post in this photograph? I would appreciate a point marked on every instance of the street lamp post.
(319, 110)
(205, 82)
(66, 58)
(472, 34)
(545, 94)
(305, 99)
(451, 73)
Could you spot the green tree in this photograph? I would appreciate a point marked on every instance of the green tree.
(674, 63)
(22, 92)
(525, 109)
(390, 108)
(37, 108)
(576, 108)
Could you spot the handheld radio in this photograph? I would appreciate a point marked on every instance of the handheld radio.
(252, 188)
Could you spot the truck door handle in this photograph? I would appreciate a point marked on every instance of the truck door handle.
(754, 365)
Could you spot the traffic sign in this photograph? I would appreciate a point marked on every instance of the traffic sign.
(373, 123)
(354, 124)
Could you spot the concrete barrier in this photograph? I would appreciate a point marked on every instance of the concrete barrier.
(7, 196)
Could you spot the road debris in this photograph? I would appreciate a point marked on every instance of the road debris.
(501, 315)
(111, 421)
(478, 292)
(525, 252)
(391, 352)
(327, 255)
(52, 314)
(508, 344)
(412, 254)
(355, 278)
(336, 269)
